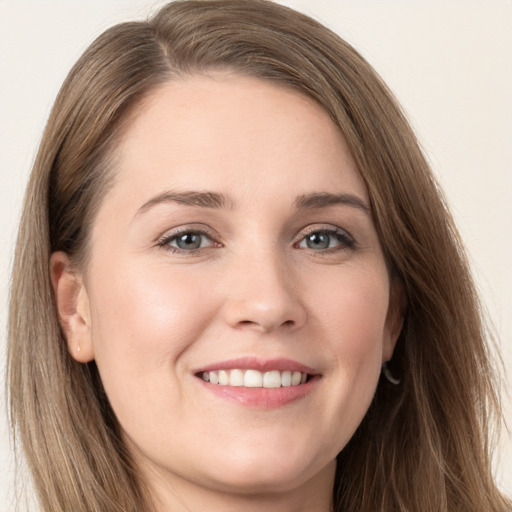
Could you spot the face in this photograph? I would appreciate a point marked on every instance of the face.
(236, 299)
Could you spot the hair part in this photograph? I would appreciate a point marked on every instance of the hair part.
(423, 445)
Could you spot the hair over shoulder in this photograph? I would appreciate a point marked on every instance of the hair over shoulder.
(425, 444)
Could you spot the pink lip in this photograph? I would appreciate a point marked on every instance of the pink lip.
(263, 365)
(261, 398)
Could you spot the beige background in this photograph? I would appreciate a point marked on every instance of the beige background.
(448, 62)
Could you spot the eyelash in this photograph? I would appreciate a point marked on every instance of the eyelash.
(345, 241)
(165, 241)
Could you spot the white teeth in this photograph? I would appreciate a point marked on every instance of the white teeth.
(223, 378)
(255, 378)
(286, 378)
(272, 379)
(296, 378)
(236, 378)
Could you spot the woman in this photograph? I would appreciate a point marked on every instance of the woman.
(236, 231)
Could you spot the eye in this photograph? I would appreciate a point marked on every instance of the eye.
(326, 239)
(186, 241)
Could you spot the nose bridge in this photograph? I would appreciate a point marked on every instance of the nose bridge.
(264, 292)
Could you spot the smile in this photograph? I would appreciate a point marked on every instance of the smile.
(252, 378)
(259, 383)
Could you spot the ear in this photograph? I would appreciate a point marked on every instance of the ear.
(72, 307)
(394, 319)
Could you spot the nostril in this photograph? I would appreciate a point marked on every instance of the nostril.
(263, 315)
(251, 323)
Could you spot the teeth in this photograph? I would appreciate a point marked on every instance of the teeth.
(286, 378)
(296, 378)
(223, 378)
(236, 378)
(255, 378)
(272, 379)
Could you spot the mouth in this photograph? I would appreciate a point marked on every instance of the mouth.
(257, 383)
(252, 378)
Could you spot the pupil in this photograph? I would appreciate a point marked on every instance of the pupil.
(189, 241)
(318, 241)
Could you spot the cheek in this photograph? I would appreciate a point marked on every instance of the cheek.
(353, 308)
(143, 319)
(352, 312)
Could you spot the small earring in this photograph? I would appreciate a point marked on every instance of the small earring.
(78, 348)
(389, 377)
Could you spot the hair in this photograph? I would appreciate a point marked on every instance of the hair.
(424, 444)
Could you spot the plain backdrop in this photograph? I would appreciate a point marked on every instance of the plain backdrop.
(448, 62)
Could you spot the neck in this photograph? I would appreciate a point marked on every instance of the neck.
(172, 493)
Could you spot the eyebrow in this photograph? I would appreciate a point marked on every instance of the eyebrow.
(201, 199)
(319, 200)
(312, 201)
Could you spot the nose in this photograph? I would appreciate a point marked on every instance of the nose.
(264, 295)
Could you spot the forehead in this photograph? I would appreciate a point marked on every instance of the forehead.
(232, 132)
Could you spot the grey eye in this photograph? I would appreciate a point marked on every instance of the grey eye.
(325, 239)
(188, 241)
(318, 240)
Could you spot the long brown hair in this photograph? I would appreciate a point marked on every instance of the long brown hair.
(424, 444)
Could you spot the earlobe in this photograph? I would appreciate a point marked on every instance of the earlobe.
(73, 309)
(395, 318)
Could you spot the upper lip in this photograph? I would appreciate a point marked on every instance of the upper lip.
(263, 365)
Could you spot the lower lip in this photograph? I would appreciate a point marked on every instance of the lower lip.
(262, 398)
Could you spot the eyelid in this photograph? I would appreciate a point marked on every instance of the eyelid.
(201, 229)
(347, 242)
(350, 241)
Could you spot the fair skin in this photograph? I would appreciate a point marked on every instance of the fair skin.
(277, 269)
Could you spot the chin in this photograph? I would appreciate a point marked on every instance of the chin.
(253, 474)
